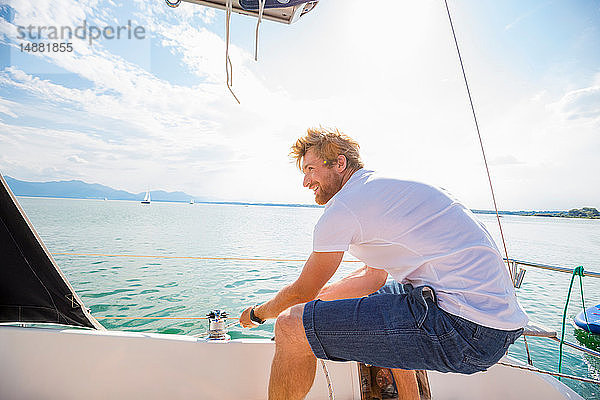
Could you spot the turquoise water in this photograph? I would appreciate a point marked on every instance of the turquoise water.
(129, 286)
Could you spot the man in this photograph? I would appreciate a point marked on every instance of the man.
(450, 307)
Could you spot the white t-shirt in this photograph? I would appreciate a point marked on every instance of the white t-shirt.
(420, 235)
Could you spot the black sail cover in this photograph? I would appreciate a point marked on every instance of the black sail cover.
(32, 287)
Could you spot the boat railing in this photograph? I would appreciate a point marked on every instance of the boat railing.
(519, 273)
(535, 330)
(518, 269)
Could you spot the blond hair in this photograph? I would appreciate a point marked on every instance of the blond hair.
(328, 145)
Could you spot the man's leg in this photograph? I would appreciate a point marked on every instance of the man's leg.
(406, 384)
(294, 364)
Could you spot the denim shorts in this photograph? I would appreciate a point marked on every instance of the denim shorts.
(402, 327)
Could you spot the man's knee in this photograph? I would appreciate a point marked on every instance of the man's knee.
(289, 326)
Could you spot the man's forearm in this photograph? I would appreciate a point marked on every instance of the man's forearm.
(287, 297)
(361, 282)
(317, 270)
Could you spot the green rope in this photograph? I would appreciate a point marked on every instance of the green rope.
(577, 271)
(583, 301)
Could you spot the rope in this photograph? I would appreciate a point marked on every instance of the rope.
(533, 369)
(581, 275)
(188, 258)
(228, 66)
(329, 385)
(261, 8)
(479, 135)
(529, 360)
(577, 271)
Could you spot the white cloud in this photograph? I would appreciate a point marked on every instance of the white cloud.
(5, 107)
(525, 15)
(581, 103)
(507, 159)
(76, 159)
(49, 12)
(390, 79)
(165, 123)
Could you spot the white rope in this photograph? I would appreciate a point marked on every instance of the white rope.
(261, 9)
(329, 385)
(228, 66)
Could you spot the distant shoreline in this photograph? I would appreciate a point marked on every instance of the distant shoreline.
(235, 203)
(585, 213)
(76, 189)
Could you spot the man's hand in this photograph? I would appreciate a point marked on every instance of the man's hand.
(245, 320)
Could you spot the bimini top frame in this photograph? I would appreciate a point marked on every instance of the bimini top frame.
(285, 15)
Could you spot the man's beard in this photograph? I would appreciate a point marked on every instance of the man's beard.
(328, 189)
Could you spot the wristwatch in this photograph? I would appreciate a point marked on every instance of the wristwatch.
(254, 318)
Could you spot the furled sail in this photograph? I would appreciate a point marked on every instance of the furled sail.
(32, 287)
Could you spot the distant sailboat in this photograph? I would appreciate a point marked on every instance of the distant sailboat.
(192, 201)
(146, 198)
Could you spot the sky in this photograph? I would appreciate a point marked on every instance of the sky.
(153, 111)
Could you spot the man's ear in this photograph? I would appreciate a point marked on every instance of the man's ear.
(342, 163)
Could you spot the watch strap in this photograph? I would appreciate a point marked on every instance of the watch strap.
(254, 318)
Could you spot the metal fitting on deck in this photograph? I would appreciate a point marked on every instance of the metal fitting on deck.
(216, 325)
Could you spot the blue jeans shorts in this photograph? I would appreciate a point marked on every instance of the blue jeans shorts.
(402, 327)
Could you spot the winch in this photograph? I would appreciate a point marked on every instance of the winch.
(217, 329)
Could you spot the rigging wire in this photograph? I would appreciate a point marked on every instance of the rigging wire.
(577, 271)
(540, 371)
(478, 134)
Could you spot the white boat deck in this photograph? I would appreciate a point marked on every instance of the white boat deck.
(74, 364)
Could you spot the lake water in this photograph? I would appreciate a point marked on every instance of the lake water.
(180, 287)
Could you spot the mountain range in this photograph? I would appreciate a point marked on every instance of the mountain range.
(76, 189)
(81, 190)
